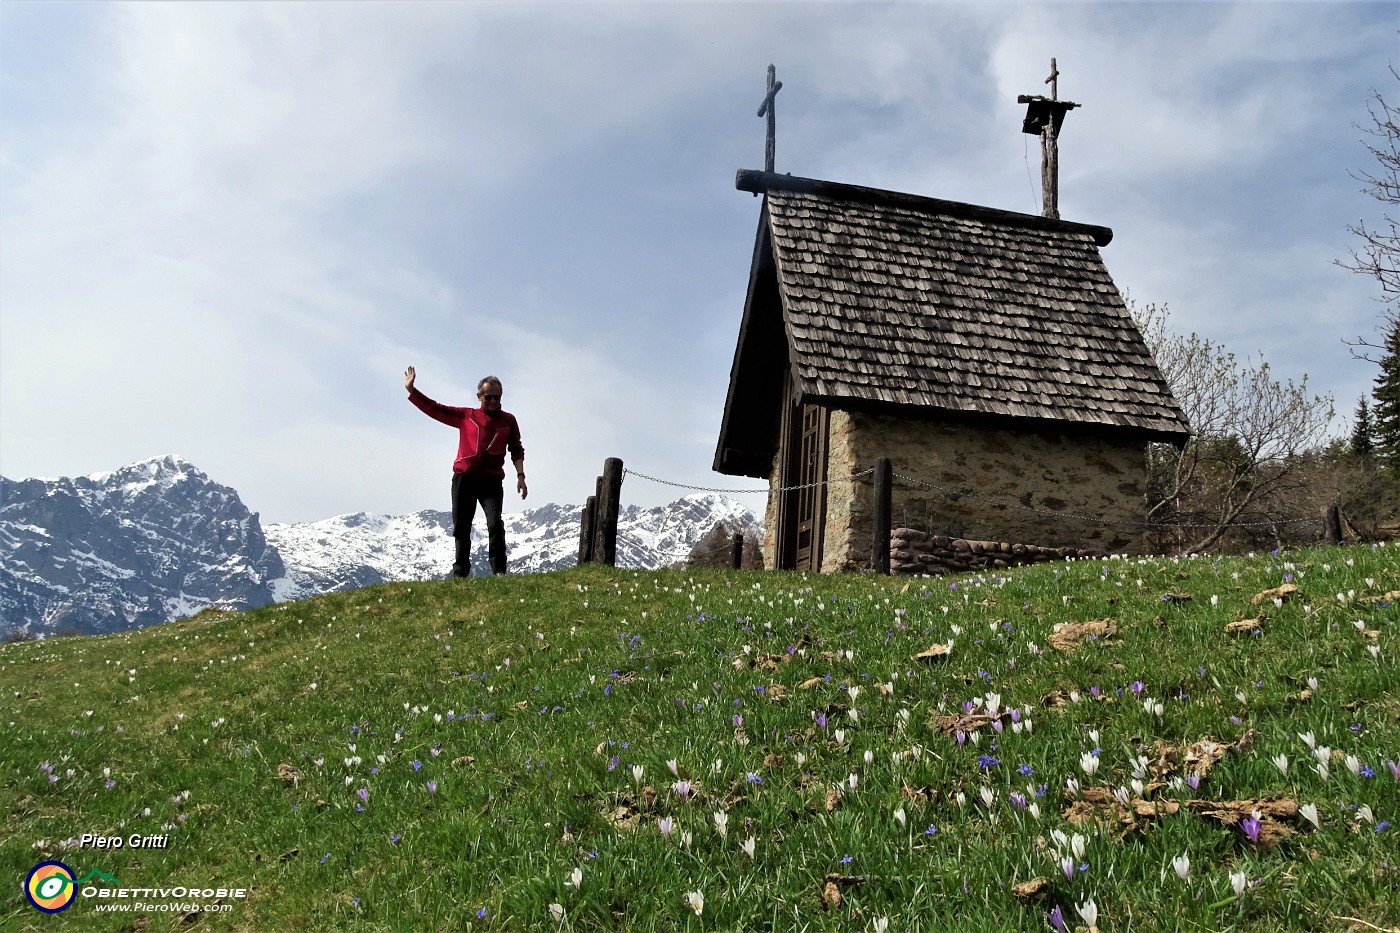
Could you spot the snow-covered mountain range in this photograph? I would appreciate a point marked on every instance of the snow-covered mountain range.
(159, 540)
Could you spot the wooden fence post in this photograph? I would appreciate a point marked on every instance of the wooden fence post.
(736, 557)
(1332, 524)
(585, 537)
(880, 545)
(605, 521)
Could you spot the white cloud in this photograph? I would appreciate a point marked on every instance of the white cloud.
(234, 224)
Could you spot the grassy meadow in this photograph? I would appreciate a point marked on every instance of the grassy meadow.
(1208, 744)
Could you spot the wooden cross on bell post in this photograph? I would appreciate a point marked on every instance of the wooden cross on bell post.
(1044, 117)
(767, 108)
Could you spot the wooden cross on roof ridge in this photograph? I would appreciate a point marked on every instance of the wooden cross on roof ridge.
(1044, 117)
(768, 108)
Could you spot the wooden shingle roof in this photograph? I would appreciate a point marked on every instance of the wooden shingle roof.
(904, 302)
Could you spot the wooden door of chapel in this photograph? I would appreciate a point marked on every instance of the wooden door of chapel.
(804, 475)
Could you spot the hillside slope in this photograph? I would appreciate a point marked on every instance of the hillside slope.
(787, 751)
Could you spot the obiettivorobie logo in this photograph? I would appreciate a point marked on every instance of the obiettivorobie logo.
(51, 886)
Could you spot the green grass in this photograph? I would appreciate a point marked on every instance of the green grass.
(528, 701)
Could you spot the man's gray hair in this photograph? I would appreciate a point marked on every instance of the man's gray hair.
(488, 381)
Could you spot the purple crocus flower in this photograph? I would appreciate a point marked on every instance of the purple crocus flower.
(1056, 919)
(1250, 826)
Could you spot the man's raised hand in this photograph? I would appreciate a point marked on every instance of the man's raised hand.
(409, 375)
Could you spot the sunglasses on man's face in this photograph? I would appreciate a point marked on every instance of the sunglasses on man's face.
(491, 398)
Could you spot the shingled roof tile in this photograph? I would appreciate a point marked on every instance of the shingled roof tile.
(942, 306)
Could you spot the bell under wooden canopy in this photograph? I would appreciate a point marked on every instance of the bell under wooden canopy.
(1041, 111)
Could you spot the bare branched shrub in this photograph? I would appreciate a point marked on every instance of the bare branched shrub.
(1251, 432)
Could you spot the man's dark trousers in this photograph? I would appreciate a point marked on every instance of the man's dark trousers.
(467, 491)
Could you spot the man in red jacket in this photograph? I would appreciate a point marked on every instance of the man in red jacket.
(486, 433)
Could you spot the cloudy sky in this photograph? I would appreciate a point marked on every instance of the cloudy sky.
(226, 228)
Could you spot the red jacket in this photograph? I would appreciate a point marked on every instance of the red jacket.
(484, 439)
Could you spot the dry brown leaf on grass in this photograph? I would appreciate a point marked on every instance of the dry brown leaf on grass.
(1242, 626)
(623, 817)
(831, 888)
(919, 795)
(809, 683)
(935, 652)
(969, 722)
(1099, 805)
(1201, 756)
(1270, 810)
(1287, 591)
(288, 774)
(1068, 635)
(1029, 890)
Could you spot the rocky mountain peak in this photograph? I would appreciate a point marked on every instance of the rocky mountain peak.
(158, 539)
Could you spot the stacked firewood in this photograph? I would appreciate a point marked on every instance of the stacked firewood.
(914, 551)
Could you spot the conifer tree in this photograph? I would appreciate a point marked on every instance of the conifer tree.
(1362, 432)
(1385, 415)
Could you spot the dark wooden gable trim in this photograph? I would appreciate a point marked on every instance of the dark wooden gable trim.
(749, 431)
(764, 182)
